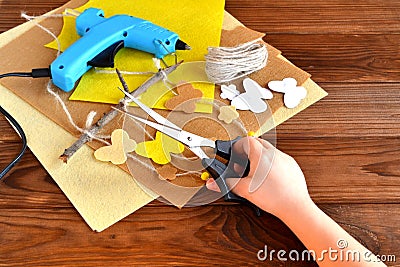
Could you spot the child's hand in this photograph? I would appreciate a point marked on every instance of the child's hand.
(275, 182)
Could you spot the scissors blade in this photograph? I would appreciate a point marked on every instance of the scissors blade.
(191, 140)
(160, 119)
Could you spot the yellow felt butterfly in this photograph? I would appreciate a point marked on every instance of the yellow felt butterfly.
(116, 153)
(159, 149)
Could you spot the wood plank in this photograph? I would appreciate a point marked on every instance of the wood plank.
(277, 16)
(230, 236)
(365, 221)
(350, 110)
(10, 150)
(7, 133)
(184, 237)
(10, 11)
(347, 170)
(363, 170)
(318, 16)
(343, 58)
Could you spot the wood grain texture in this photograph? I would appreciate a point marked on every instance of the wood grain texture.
(348, 146)
(197, 236)
(358, 110)
(318, 16)
(352, 57)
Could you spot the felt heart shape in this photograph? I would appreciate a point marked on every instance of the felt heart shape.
(121, 144)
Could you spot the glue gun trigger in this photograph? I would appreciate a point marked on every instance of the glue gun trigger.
(106, 58)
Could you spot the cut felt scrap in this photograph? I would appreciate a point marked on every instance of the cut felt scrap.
(121, 144)
(167, 172)
(176, 15)
(159, 149)
(228, 114)
(185, 100)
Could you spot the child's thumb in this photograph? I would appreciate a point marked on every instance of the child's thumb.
(239, 187)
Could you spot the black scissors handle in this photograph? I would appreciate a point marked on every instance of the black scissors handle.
(224, 150)
(220, 171)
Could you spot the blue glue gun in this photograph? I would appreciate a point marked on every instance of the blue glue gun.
(101, 39)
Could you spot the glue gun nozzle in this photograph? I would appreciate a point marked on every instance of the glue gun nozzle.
(180, 45)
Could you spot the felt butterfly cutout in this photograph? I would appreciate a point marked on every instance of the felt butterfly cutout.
(228, 114)
(293, 94)
(159, 149)
(229, 92)
(185, 100)
(252, 99)
(116, 153)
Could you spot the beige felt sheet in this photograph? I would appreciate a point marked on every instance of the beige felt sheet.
(32, 91)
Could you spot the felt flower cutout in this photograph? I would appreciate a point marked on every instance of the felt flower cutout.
(228, 114)
(253, 98)
(116, 153)
(167, 172)
(229, 92)
(293, 94)
(159, 149)
(185, 100)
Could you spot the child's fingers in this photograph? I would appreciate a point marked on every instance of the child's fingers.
(238, 187)
(244, 145)
(265, 143)
(250, 148)
(212, 185)
(256, 150)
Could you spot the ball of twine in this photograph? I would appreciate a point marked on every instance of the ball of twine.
(225, 64)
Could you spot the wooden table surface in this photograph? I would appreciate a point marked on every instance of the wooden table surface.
(348, 145)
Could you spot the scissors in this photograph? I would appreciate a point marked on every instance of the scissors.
(217, 169)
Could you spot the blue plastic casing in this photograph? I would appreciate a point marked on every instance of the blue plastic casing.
(99, 33)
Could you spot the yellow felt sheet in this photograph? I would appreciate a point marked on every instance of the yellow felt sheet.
(200, 27)
(114, 194)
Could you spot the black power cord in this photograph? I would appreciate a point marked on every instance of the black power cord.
(24, 144)
(36, 73)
